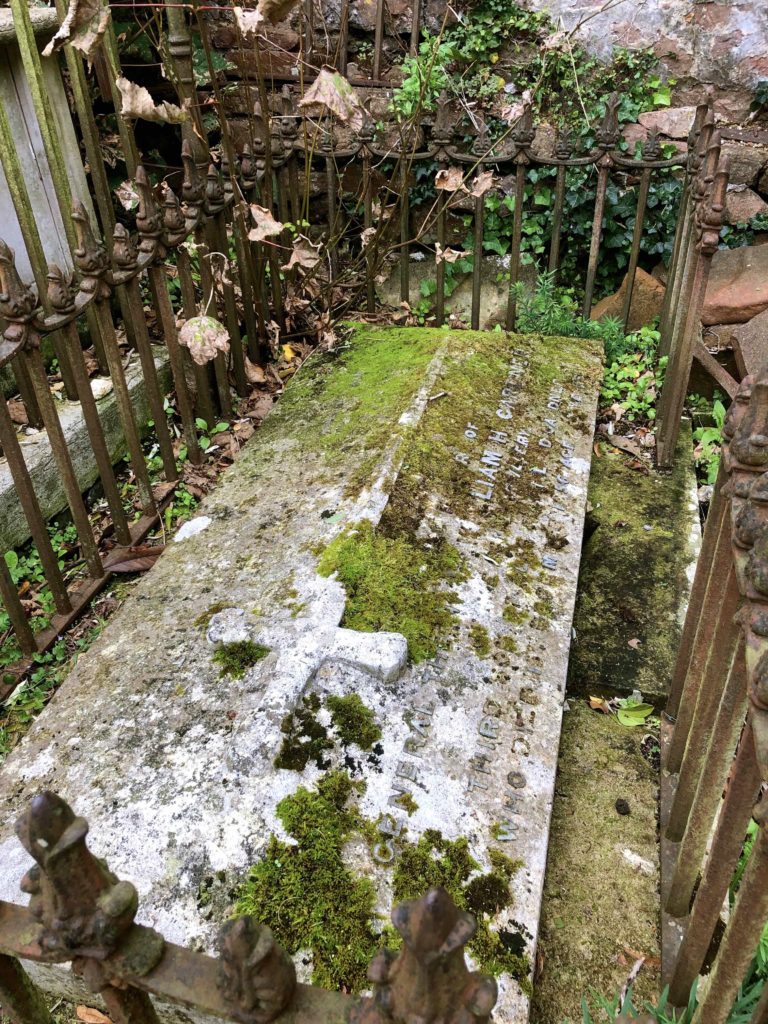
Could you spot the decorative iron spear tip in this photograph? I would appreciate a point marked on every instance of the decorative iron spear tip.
(193, 187)
(18, 301)
(608, 130)
(256, 976)
(125, 255)
(83, 908)
(757, 565)
(214, 191)
(738, 407)
(442, 129)
(758, 682)
(524, 130)
(433, 925)
(563, 145)
(651, 148)
(148, 216)
(247, 168)
(90, 256)
(61, 293)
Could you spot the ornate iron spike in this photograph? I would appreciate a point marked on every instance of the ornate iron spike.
(90, 256)
(482, 142)
(442, 130)
(607, 133)
(174, 221)
(83, 908)
(749, 445)
(738, 407)
(753, 514)
(193, 187)
(256, 976)
(712, 213)
(563, 144)
(428, 980)
(149, 219)
(524, 131)
(226, 177)
(214, 192)
(651, 149)
(125, 254)
(247, 168)
(18, 301)
(61, 290)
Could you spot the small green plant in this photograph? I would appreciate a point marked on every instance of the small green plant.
(553, 311)
(634, 378)
(207, 433)
(733, 236)
(708, 441)
(424, 77)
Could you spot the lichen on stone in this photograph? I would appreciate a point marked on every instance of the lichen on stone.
(237, 657)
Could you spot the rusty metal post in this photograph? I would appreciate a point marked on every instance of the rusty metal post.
(20, 998)
(522, 136)
(562, 154)
(651, 151)
(21, 628)
(606, 137)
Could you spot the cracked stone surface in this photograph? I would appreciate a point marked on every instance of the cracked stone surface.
(171, 759)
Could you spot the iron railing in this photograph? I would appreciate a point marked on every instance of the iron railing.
(715, 735)
(79, 912)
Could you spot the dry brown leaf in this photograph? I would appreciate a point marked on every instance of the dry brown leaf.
(332, 93)
(18, 412)
(136, 101)
(275, 11)
(448, 255)
(305, 254)
(132, 559)
(600, 704)
(483, 183)
(248, 21)
(367, 236)
(127, 195)
(89, 1015)
(449, 179)
(85, 23)
(254, 374)
(205, 337)
(266, 225)
(634, 643)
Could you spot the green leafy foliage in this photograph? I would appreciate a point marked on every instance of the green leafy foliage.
(708, 440)
(634, 378)
(733, 236)
(424, 76)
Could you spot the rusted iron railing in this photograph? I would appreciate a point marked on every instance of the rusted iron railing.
(79, 912)
(715, 736)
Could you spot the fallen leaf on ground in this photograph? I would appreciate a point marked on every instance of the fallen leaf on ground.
(634, 643)
(448, 255)
(18, 412)
(331, 92)
(133, 559)
(305, 254)
(254, 373)
(634, 715)
(136, 101)
(205, 337)
(600, 704)
(91, 1016)
(85, 23)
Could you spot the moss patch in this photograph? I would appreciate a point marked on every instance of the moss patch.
(355, 723)
(237, 657)
(204, 619)
(434, 860)
(396, 584)
(305, 739)
(305, 893)
(632, 579)
(480, 639)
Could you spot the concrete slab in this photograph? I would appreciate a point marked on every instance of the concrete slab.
(350, 679)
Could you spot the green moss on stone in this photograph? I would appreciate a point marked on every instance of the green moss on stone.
(508, 644)
(514, 614)
(237, 657)
(434, 860)
(355, 723)
(480, 639)
(203, 620)
(307, 895)
(305, 739)
(396, 584)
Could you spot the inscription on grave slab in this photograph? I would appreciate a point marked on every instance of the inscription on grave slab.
(409, 555)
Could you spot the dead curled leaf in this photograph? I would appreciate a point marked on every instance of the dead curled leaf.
(85, 23)
(131, 559)
(332, 93)
(205, 337)
(270, 11)
(483, 183)
(137, 102)
(89, 1015)
(448, 255)
(305, 254)
(600, 704)
(266, 225)
(449, 179)
(367, 236)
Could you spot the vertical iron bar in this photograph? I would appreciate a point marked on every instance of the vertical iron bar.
(378, 40)
(740, 940)
(517, 237)
(19, 996)
(477, 260)
(603, 171)
(727, 842)
(25, 639)
(63, 462)
(96, 436)
(557, 220)
(168, 322)
(440, 268)
(710, 772)
(27, 392)
(696, 607)
(715, 599)
(29, 503)
(125, 406)
(154, 396)
(343, 37)
(370, 284)
(637, 237)
(209, 299)
(405, 234)
(415, 27)
(219, 231)
(330, 181)
(204, 400)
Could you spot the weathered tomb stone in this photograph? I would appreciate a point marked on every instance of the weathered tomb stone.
(347, 673)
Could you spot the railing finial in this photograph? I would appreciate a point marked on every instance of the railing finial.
(256, 976)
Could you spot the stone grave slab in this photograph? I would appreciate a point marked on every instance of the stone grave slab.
(343, 681)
